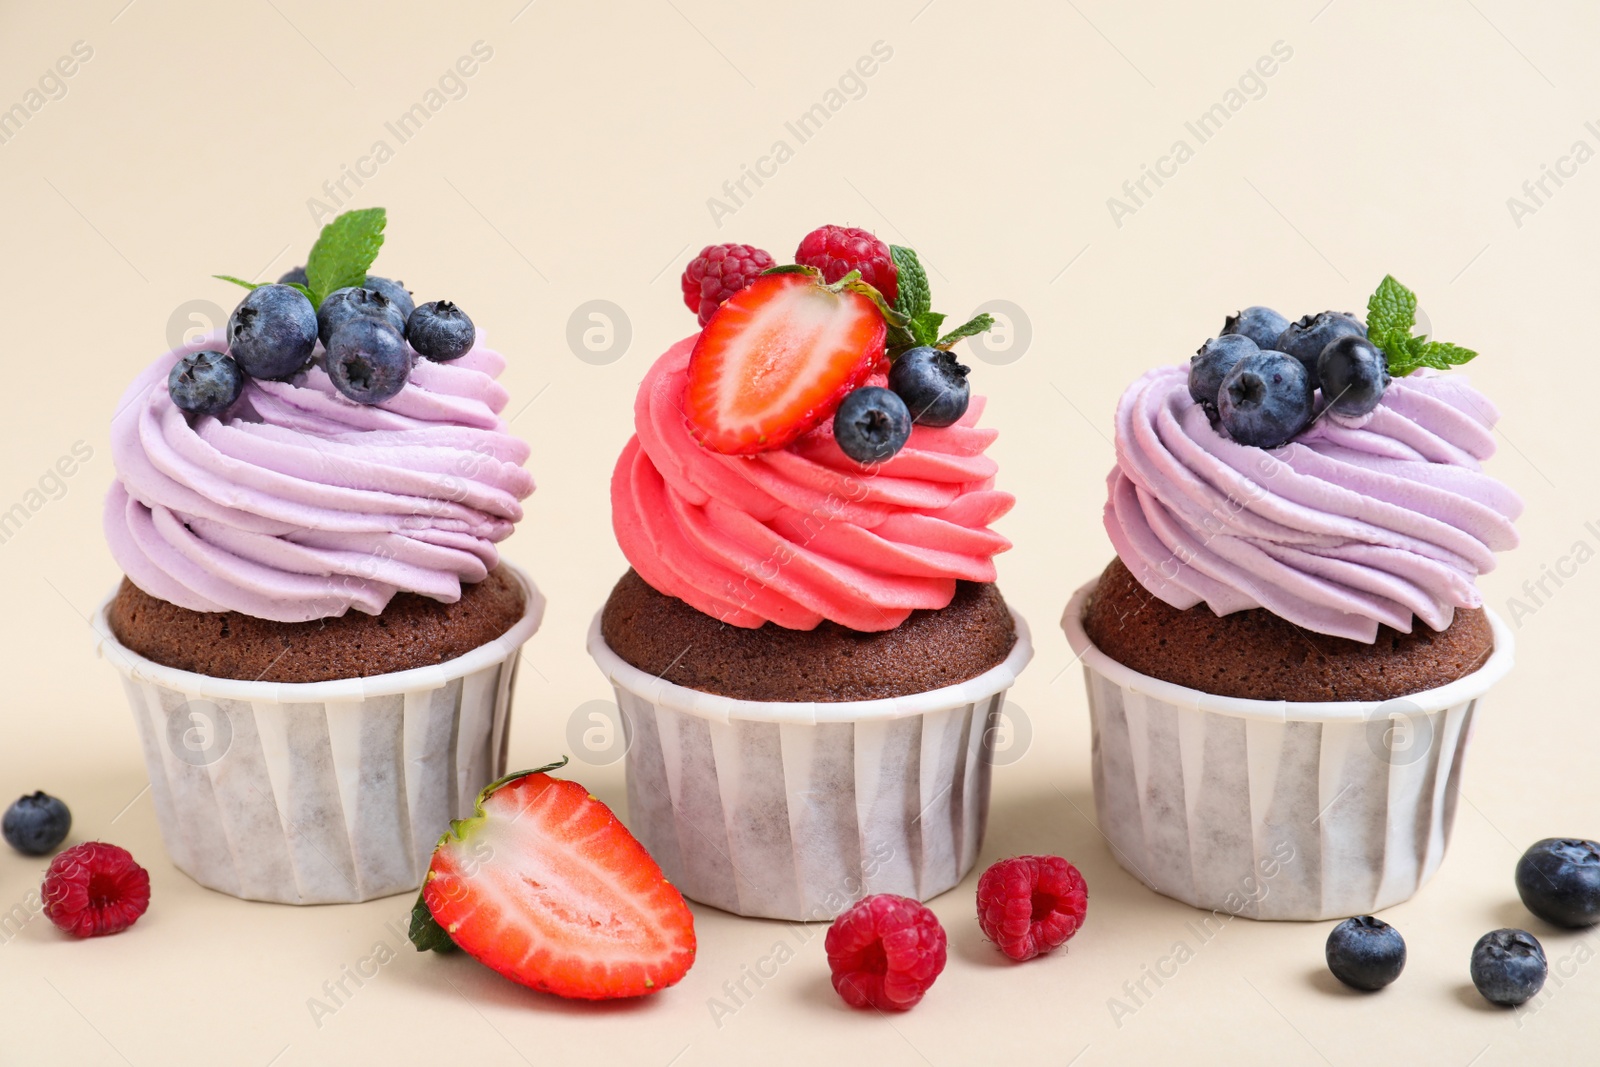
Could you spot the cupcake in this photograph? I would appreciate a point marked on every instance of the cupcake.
(1285, 657)
(315, 631)
(809, 649)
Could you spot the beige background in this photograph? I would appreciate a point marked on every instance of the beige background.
(577, 166)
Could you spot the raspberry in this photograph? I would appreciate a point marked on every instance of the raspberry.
(1031, 904)
(885, 952)
(838, 250)
(718, 272)
(95, 888)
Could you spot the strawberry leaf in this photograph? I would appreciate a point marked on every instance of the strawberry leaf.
(971, 328)
(425, 931)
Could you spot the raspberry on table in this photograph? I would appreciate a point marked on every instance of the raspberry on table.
(838, 250)
(885, 952)
(718, 272)
(1030, 905)
(95, 888)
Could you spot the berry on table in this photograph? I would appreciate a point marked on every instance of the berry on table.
(94, 889)
(1305, 338)
(885, 952)
(205, 383)
(776, 359)
(272, 332)
(838, 250)
(933, 385)
(1509, 967)
(368, 361)
(441, 331)
(1354, 375)
(1030, 905)
(394, 292)
(1265, 400)
(1559, 881)
(718, 272)
(1211, 363)
(872, 424)
(348, 303)
(1365, 953)
(1261, 324)
(35, 824)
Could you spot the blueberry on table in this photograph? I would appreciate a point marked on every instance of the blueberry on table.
(1366, 953)
(1305, 338)
(1211, 363)
(1261, 324)
(1353, 374)
(368, 361)
(205, 383)
(1265, 400)
(1509, 967)
(933, 385)
(441, 331)
(1559, 881)
(348, 303)
(35, 824)
(272, 332)
(872, 424)
(394, 292)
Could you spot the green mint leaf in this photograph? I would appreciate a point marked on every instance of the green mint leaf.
(925, 327)
(237, 281)
(425, 931)
(1391, 307)
(912, 297)
(898, 339)
(345, 251)
(1442, 355)
(1402, 351)
(971, 328)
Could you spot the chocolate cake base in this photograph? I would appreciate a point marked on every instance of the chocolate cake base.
(663, 636)
(413, 631)
(1260, 656)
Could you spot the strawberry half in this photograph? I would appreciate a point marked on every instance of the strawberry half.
(778, 357)
(545, 886)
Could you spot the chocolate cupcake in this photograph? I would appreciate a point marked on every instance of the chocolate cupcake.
(809, 649)
(1285, 658)
(315, 630)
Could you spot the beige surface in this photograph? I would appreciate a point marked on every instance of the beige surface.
(577, 167)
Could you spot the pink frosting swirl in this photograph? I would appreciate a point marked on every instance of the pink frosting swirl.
(300, 504)
(1346, 527)
(803, 533)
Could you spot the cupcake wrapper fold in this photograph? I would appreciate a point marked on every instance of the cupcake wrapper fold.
(1276, 809)
(797, 810)
(320, 792)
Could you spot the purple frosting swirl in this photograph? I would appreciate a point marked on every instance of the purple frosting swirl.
(1344, 528)
(300, 504)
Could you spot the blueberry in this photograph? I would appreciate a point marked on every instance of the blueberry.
(1559, 881)
(272, 332)
(1261, 324)
(348, 303)
(441, 331)
(368, 361)
(394, 292)
(1353, 375)
(205, 383)
(1265, 400)
(294, 274)
(1211, 363)
(1366, 953)
(1306, 338)
(872, 424)
(36, 824)
(1508, 967)
(933, 385)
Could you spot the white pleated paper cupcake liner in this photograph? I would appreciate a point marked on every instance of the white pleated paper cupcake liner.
(320, 792)
(1276, 809)
(793, 810)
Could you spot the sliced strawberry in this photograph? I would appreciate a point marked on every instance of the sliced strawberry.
(777, 358)
(545, 886)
